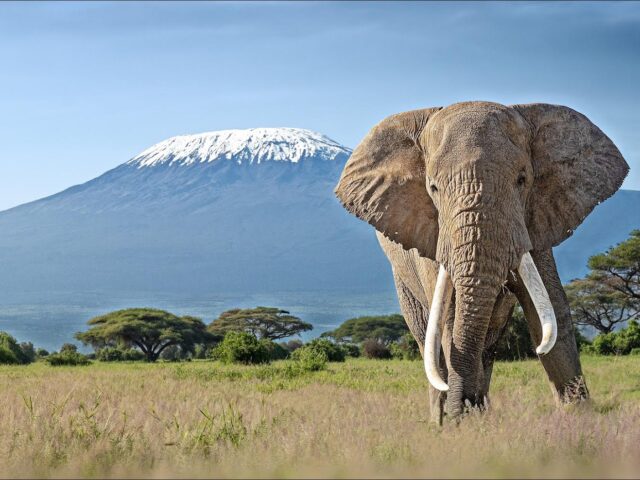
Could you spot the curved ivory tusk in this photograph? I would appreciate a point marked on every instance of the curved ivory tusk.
(540, 298)
(438, 311)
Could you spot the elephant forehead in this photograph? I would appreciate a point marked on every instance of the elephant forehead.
(475, 134)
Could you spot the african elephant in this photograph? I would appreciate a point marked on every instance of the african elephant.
(467, 201)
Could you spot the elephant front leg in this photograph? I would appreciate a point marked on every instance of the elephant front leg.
(416, 315)
(562, 363)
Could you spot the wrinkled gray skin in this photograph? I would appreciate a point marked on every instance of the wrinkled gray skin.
(473, 187)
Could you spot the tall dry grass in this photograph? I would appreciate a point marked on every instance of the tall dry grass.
(359, 419)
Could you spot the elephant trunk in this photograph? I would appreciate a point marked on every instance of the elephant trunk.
(479, 259)
(475, 299)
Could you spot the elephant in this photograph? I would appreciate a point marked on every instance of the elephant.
(467, 202)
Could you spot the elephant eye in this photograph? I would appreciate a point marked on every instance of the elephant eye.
(522, 178)
(434, 189)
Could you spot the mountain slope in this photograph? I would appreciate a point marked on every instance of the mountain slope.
(230, 211)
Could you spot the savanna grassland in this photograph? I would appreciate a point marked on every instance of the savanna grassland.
(362, 418)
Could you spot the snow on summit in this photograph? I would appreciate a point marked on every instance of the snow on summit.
(254, 145)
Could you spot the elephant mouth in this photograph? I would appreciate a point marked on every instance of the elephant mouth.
(442, 296)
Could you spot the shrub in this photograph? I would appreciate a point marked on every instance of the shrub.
(350, 349)
(67, 357)
(334, 352)
(118, 354)
(41, 353)
(10, 351)
(28, 352)
(622, 342)
(311, 359)
(241, 347)
(406, 348)
(275, 351)
(372, 348)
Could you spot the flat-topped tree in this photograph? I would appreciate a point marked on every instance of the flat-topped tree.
(151, 330)
(383, 328)
(262, 322)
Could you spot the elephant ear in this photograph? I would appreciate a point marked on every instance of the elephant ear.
(384, 183)
(575, 167)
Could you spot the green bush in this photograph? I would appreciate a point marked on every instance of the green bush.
(275, 351)
(406, 348)
(41, 353)
(10, 351)
(374, 349)
(622, 342)
(311, 359)
(67, 358)
(118, 354)
(351, 349)
(334, 352)
(241, 347)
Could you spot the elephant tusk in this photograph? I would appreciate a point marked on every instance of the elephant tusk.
(439, 307)
(540, 298)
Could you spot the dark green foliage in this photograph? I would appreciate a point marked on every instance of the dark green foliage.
(385, 329)
(334, 352)
(28, 352)
(375, 349)
(622, 342)
(609, 295)
(619, 267)
(515, 342)
(351, 349)
(275, 351)
(11, 353)
(406, 348)
(594, 303)
(311, 359)
(41, 352)
(262, 322)
(119, 354)
(68, 356)
(68, 348)
(241, 347)
(150, 330)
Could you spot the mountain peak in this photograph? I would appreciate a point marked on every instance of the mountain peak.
(253, 145)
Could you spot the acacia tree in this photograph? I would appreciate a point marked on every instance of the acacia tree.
(151, 330)
(610, 294)
(596, 304)
(384, 329)
(262, 322)
(619, 267)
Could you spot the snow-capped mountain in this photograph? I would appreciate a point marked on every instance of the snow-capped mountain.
(234, 210)
(224, 211)
(253, 145)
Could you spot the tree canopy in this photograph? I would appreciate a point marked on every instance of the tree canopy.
(151, 330)
(610, 294)
(595, 304)
(619, 266)
(262, 322)
(385, 329)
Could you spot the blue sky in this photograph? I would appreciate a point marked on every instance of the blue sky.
(85, 86)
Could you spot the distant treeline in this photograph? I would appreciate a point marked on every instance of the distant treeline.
(606, 301)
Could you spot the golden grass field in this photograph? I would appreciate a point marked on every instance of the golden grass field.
(363, 418)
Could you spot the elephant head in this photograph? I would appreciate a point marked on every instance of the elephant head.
(475, 187)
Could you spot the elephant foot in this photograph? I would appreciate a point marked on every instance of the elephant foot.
(575, 391)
